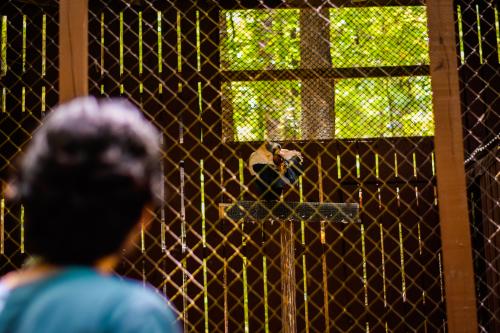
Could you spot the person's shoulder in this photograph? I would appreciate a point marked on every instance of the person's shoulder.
(141, 309)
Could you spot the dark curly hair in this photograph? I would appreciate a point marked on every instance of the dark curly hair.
(85, 179)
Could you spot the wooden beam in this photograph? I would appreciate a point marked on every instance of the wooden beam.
(265, 4)
(73, 49)
(324, 73)
(453, 212)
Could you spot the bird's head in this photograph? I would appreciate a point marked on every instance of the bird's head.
(272, 147)
(275, 149)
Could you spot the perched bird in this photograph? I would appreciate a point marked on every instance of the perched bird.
(274, 168)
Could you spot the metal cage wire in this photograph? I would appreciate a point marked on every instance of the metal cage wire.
(347, 85)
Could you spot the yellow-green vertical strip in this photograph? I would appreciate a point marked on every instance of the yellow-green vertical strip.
(4, 45)
(266, 306)
(414, 165)
(304, 268)
(382, 252)
(245, 294)
(479, 34)
(140, 42)
(203, 232)
(497, 28)
(339, 170)
(379, 197)
(433, 165)
(435, 196)
(22, 228)
(204, 242)
(44, 44)
(419, 239)
(102, 44)
(461, 34)
(326, 310)
(245, 282)
(160, 46)
(396, 165)
(198, 49)
(200, 108)
(402, 258)
(43, 103)
(241, 166)
(4, 100)
(23, 54)
(143, 245)
(121, 43)
(358, 166)
(205, 293)
(23, 99)
(398, 198)
(376, 166)
(179, 46)
(363, 251)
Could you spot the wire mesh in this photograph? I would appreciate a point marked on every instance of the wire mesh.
(345, 83)
(28, 76)
(478, 47)
(220, 79)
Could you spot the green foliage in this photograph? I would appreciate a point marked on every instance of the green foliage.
(383, 107)
(379, 36)
(372, 107)
(360, 37)
(275, 110)
(260, 39)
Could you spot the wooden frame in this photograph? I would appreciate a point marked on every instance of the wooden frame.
(453, 212)
(73, 49)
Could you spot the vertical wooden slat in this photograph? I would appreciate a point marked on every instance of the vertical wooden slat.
(152, 106)
(73, 49)
(191, 145)
(50, 69)
(212, 128)
(168, 121)
(314, 244)
(457, 253)
(235, 317)
(272, 251)
(97, 43)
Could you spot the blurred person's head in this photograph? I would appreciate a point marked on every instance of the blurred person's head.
(85, 180)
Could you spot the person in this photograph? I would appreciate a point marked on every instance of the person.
(87, 179)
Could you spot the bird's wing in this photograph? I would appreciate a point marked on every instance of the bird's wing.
(259, 157)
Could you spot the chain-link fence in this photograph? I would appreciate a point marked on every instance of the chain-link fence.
(28, 75)
(344, 83)
(478, 46)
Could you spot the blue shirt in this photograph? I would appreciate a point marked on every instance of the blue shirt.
(80, 300)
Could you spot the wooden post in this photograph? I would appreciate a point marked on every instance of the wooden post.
(453, 213)
(285, 213)
(73, 49)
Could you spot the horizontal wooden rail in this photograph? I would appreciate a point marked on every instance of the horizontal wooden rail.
(331, 73)
(242, 4)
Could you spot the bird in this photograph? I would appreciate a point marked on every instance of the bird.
(274, 168)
